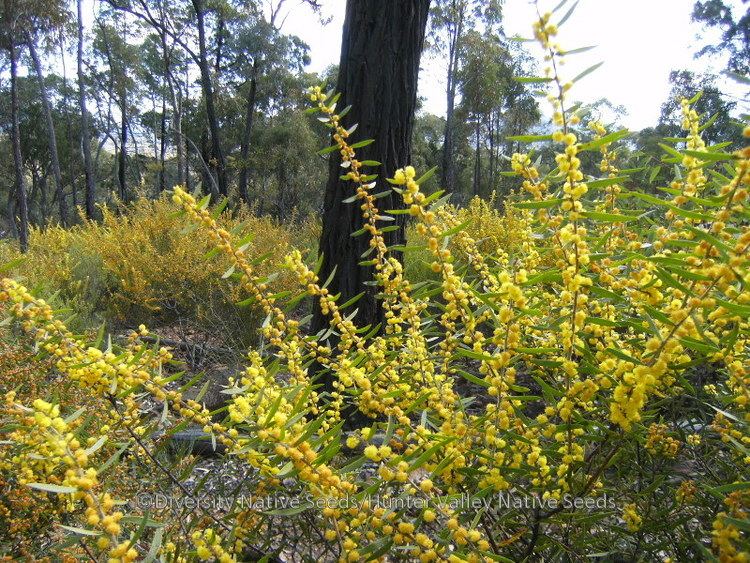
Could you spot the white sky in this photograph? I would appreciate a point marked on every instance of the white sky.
(640, 41)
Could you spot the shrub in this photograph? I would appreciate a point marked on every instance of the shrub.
(496, 234)
(562, 444)
(138, 266)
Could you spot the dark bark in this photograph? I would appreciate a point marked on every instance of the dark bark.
(21, 214)
(217, 160)
(209, 182)
(85, 139)
(380, 52)
(123, 155)
(477, 158)
(162, 144)
(51, 135)
(245, 144)
(43, 201)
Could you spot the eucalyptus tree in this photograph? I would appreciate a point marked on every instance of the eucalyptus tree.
(483, 80)
(188, 24)
(379, 65)
(121, 60)
(47, 18)
(266, 64)
(733, 21)
(13, 18)
(85, 138)
(450, 21)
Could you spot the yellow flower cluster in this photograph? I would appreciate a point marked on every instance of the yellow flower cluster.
(632, 519)
(660, 443)
(48, 448)
(726, 534)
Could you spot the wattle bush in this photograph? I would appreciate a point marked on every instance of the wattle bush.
(144, 264)
(587, 396)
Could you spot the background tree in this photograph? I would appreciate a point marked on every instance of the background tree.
(13, 18)
(734, 24)
(46, 19)
(450, 21)
(90, 190)
(711, 105)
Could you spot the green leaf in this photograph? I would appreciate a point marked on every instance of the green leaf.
(532, 79)
(457, 229)
(8, 266)
(328, 150)
(155, 546)
(373, 551)
(301, 507)
(604, 182)
(709, 156)
(606, 140)
(622, 356)
(219, 209)
(202, 204)
(588, 71)
(737, 523)
(578, 50)
(547, 389)
(361, 144)
(544, 277)
(429, 453)
(670, 150)
(99, 443)
(427, 175)
(540, 204)
(646, 197)
(80, 531)
(731, 487)
(50, 488)
(529, 138)
(567, 15)
(698, 346)
(742, 310)
(741, 78)
(473, 378)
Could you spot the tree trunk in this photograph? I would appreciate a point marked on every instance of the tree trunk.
(448, 163)
(492, 156)
(245, 144)
(163, 144)
(217, 161)
(22, 204)
(381, 47)
(477, 158)
(176, 108)
(123, 156)
(85, 139)
(68, 129)
(43, 201)
(51, 136)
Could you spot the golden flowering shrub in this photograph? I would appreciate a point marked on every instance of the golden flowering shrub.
(543, 405)
(496, 233)
(139, 266)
